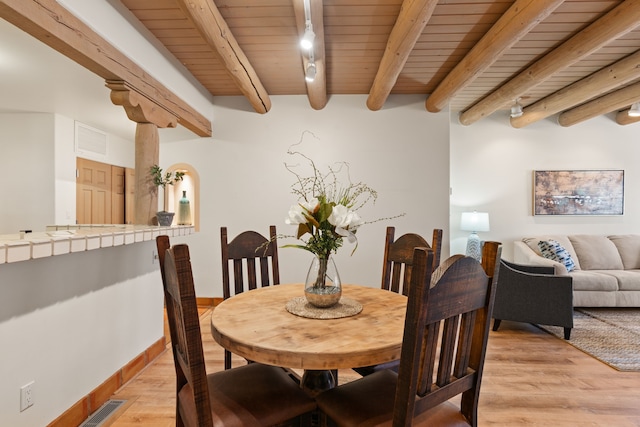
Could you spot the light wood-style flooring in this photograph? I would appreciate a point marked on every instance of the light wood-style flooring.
(531, 379)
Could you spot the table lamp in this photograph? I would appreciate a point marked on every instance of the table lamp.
(474, 222)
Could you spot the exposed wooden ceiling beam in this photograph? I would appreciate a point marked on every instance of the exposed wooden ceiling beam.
(516, 22)
(317, 89)
(213, 28)
(55, 26)
(611, 26)
(605, 104)
(619, 74)
(138, 107)
(413, 16)
(623, 118)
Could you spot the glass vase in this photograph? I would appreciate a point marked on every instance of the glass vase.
(184, 211)
(323, 287)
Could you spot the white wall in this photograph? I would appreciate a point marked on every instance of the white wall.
(38, 156)
(64, 171)
(66, 322)
(27, 191)
(400, 151)
(492, 168)
(69, 322)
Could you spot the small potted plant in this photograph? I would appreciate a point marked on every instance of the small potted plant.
(162, 180)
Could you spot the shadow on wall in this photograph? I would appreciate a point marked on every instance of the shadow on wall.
(31, 285)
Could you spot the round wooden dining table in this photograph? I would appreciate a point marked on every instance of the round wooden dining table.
(257, 326)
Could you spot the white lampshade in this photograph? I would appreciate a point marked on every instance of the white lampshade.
(474, 221)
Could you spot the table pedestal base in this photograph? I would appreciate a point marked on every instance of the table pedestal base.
(316, 381)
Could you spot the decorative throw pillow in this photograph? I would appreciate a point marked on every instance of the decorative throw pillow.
(553, 250)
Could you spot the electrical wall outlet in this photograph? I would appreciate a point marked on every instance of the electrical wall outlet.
(26, 396)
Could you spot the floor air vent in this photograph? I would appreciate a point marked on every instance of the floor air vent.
(102, 414)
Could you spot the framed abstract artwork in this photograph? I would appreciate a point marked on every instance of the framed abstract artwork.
(578, 192)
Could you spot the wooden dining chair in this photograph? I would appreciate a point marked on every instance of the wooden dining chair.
(248, 261)
(443, 352)
(396, 273)
(398, 258)
(249, 395)
(162, 244)
(254, 258)
(490, 258)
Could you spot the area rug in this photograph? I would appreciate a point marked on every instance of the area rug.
(610, 335)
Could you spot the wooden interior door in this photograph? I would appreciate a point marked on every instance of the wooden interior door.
(93, 192)
(118, 185)
(129, 195)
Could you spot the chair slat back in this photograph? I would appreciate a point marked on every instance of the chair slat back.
(398, 258)
(490, 257)
(436, 246)
(250, 260)
(254, 259)
(184, 324)
(162, 244)
(446, 334)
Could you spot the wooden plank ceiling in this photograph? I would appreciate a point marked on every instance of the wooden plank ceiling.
(461, 51)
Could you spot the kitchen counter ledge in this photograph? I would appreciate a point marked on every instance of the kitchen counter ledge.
(64, 239)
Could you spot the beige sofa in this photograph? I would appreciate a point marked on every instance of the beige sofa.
(606, 271)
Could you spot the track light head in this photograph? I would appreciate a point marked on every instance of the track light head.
(516, 109)
(634, 111)
(307, 40)
(310, 72)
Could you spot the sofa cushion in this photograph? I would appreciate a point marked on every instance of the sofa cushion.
(596, 252)
(627, 299)
(629, 250)
(554, 250)
(628, 280)
(584, 280)
(596, 299)
(532, 242)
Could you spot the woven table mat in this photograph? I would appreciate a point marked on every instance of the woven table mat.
(346, 307)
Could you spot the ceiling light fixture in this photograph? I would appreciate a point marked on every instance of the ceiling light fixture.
(307, 39)
(634, 111)
(310, 72)
(310, 69)
(516, 109)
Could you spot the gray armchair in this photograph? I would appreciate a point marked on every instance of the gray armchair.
(533, 294)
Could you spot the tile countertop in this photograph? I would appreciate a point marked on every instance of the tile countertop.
(64, 239)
